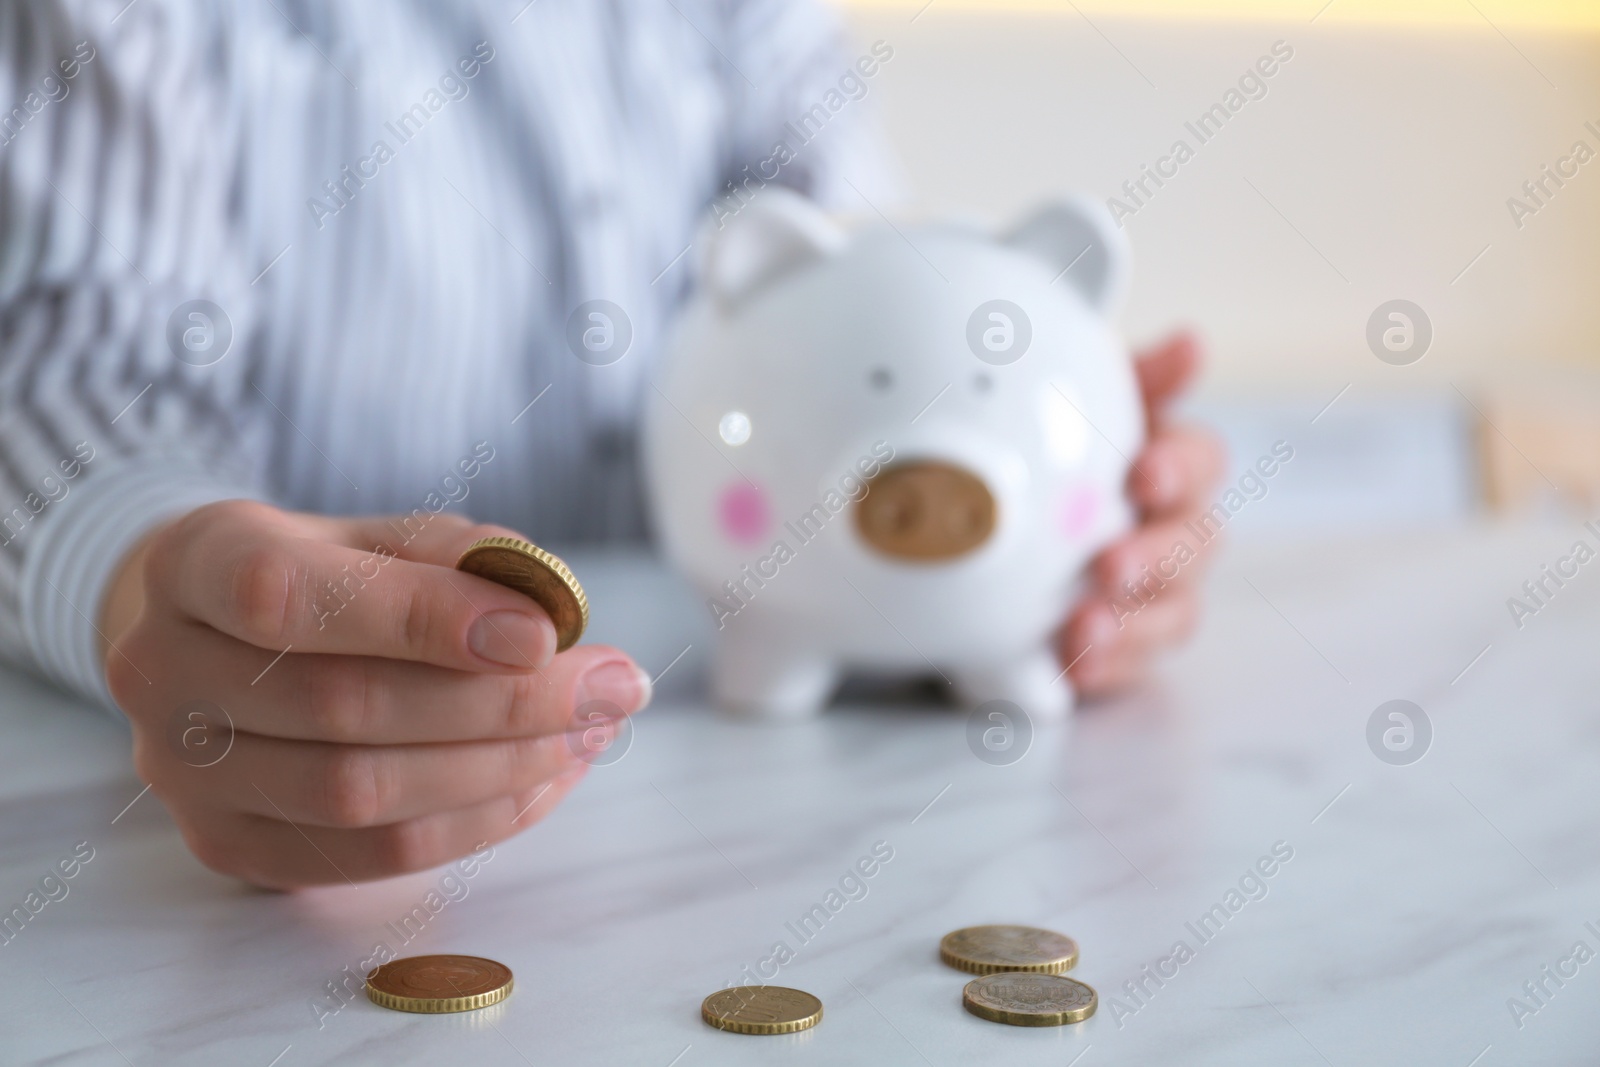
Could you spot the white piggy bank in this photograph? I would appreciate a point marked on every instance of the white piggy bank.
(894, 450)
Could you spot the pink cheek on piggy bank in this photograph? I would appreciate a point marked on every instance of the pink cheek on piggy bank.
(1079, 510)
(743, 513)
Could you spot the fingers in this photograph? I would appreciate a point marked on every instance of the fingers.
(419, 537)
(1150, 560)
(1143, 593)
(1143, 597)
(371, 701)
(312, 783)
(1177, 471)
(385, 712)
(1106, 648)
(272, 853)
(1166, 369)
(269, 586)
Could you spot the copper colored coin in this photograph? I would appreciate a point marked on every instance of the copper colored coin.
(434, 984)
(535, 573)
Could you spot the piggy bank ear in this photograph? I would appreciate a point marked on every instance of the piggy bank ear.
(777, 232)
(1078, 238)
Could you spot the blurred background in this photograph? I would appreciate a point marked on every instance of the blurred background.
(1380, 164)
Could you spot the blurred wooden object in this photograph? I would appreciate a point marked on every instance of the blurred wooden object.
(1538, 450)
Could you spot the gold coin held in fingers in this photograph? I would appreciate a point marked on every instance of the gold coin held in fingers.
(1024, 998)
(530, 570)
(761, 1009)
(435, 984)
(991, 949)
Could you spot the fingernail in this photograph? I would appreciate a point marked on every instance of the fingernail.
(619, 682)
(513, 638)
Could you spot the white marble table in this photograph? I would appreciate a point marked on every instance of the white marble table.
(1418, 900)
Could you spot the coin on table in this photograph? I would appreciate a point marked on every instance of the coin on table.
(1023, 998)
(530, 570)
(761, 1009)
(435, 984)
(990, 949)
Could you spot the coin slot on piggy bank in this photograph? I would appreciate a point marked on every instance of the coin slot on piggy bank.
(927, 510)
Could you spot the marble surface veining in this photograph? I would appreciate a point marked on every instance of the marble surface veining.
(1414, 903)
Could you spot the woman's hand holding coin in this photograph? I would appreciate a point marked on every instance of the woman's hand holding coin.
(369, 709)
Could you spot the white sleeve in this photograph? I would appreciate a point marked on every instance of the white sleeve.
(113, 217)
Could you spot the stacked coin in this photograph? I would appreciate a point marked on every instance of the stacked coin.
(1021, 981)
(1029, 998)
(992, 949)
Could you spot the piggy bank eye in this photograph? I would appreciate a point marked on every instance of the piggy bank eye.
(734, 428)
(982, 383)
(881, 379)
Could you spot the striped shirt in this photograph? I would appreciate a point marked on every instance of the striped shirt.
(322, 253)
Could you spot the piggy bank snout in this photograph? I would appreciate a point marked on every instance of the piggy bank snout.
(926, 510)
